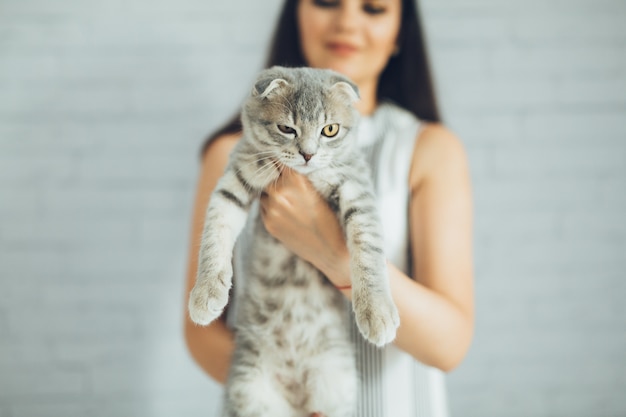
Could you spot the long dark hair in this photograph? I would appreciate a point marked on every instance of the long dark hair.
(406, 80)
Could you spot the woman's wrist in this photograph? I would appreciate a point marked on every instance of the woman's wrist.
(335, 265)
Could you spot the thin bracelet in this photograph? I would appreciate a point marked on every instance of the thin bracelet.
(343, 287)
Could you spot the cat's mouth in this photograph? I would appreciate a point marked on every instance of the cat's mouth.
(303, 167)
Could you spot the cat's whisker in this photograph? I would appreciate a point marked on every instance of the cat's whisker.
(264, 153)
(275, 182)
(266, 171)
(268, 161)
(268, 176)
(264, 165)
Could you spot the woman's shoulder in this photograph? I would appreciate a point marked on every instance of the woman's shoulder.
(214, 158)
(220, 147)
(438, 152)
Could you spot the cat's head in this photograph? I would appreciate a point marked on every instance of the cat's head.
(302, 116)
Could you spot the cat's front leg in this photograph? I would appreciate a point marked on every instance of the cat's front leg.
(225, 217)
(375, 312)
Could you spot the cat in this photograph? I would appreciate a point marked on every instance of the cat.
(293, 354)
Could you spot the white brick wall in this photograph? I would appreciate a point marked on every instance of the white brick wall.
(103, 106)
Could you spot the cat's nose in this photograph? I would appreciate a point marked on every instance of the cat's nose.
(307, 156)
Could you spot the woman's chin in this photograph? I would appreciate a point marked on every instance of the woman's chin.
(343, 66)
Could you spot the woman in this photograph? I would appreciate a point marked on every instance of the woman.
(423, 185)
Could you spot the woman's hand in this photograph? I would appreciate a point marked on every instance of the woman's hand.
(294, 213)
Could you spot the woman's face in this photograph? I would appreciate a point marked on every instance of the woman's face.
(353, 37)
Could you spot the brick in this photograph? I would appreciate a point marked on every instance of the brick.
(75, 138)
(546, 279)
(121, 378)
(570, 28)
(525, 195)
(164, 232)
(68, 232)
(511, 93)
(596, 225)
(74, 8)
(541, 403)
(548, 60)
(612, 195)
(19, 201)
(4, 322)
(600, 128)
(35, 169)
(46, 381)
(36, 324)
(113, 168)
(160, 406)
(534, 225)
(549, 224)
(600, 255)
(117, 201)
(184, 407)
(513, 8)
(549, 343)
(557, 162)
(601, 402)
(81, 296)
(117, 263)
(89, 353)
(28, 138)
(67, 408)
(470, 30)
(19, 66)
(565, 373)
(30, 265)
(173, 364)
(463, 62)
(607, 91)
(65, 8)
(487, 130)
(15, 354)
(480, 162)
(573, 315)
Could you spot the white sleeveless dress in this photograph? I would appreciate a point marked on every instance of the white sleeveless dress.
(393, 384)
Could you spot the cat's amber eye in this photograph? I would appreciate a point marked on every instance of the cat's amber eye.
(330, 130)
(286, 129)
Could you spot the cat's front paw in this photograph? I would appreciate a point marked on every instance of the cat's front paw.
(208, 298)
(376, 317)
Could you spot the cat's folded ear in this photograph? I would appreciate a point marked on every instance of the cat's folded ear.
(264, 88)
(347, 88)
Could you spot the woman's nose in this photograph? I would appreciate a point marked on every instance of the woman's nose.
(347, 15)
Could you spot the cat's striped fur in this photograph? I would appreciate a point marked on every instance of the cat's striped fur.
(293, 352)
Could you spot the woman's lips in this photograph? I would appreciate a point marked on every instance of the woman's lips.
(342, 49)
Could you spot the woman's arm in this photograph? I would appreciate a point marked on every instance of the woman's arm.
(211, 346)
(441, 237)
(436, 309)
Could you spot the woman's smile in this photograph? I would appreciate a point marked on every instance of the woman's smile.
(343, 49)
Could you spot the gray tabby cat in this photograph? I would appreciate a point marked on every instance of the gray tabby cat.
(293, 353)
